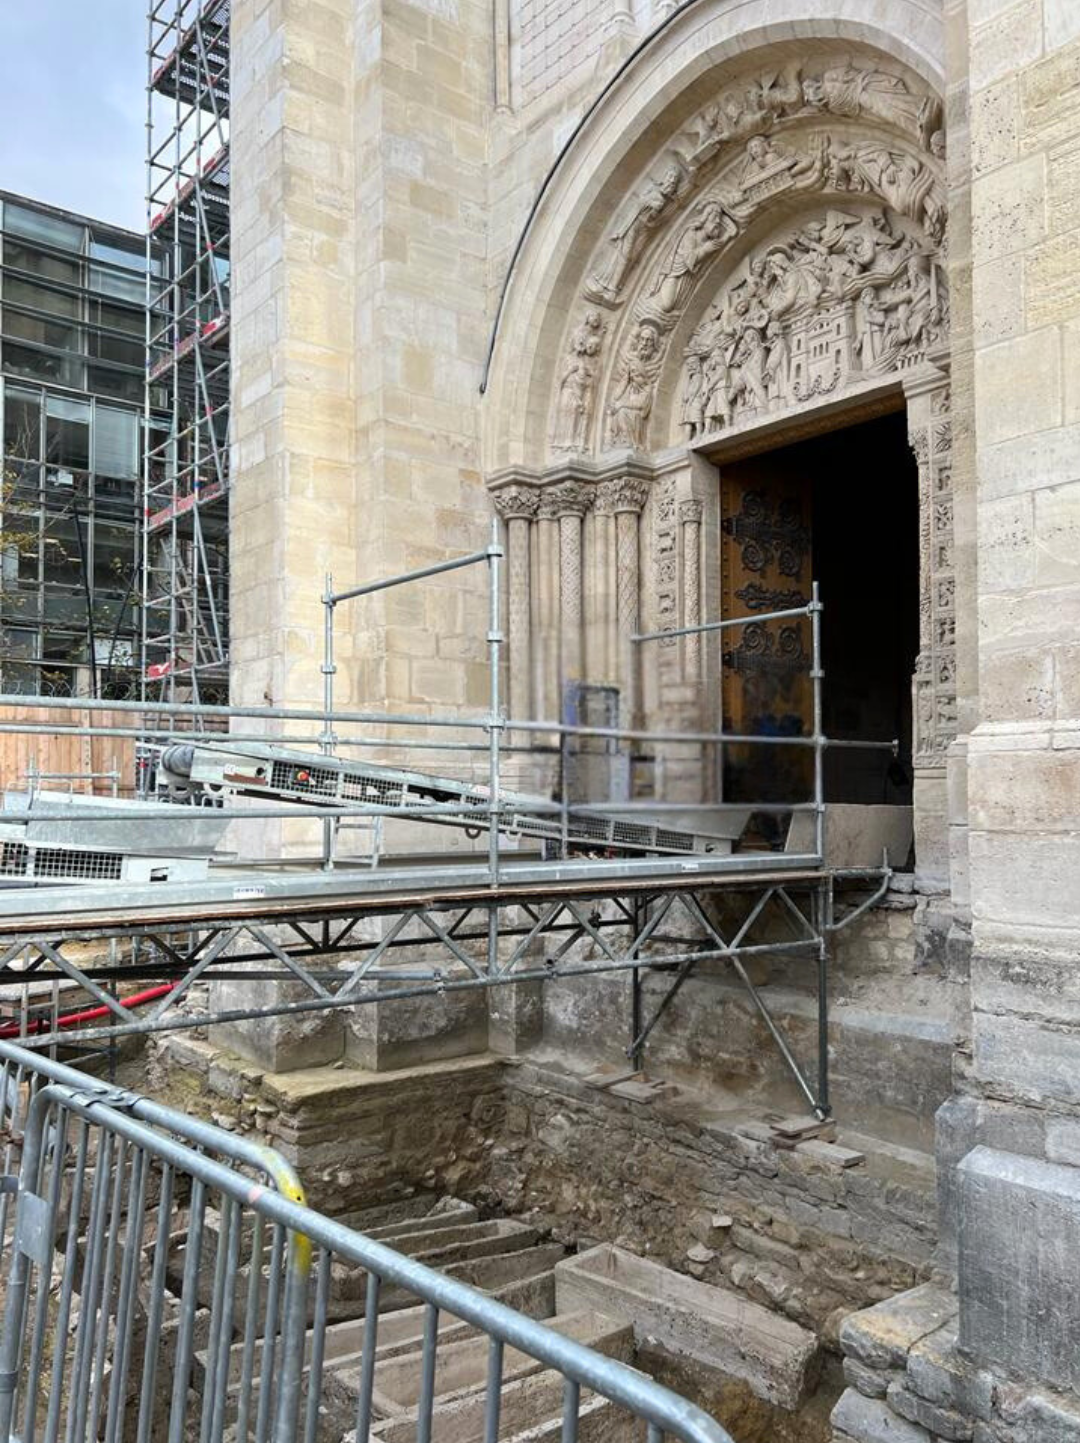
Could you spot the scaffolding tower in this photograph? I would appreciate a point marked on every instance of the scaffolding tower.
(186, 471)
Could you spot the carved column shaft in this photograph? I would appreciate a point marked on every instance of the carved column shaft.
(501, 26)
(690, 516)
(570, 604)
(517, 507)
(545, 616)
(569, 503)
(601, 622)
(625, 499)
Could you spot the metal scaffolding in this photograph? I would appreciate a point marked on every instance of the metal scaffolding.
(186, 464)
(608, 887)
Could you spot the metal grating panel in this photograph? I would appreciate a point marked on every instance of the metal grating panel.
(84, 866)
(307, 781)
(14, 857)
(631, 833)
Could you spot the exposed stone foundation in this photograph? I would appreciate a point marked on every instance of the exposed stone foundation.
(911, 1382)
(699, 1187)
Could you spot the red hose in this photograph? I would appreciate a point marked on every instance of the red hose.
(89, 1014)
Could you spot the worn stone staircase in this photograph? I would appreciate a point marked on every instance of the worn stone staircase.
(616, 1303)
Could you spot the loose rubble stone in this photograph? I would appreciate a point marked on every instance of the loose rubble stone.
(867, 1420)
(830, 1154)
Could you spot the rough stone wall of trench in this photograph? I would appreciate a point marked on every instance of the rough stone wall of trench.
(667, 1179)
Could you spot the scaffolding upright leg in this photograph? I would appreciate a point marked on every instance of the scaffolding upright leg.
(636, 1050)
(820, 914)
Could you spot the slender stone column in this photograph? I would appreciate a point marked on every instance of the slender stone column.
(571, 501)
(627, 500)
(517, 506)
(501, 26)
(546, 610)
(602, 621)
(690, 517)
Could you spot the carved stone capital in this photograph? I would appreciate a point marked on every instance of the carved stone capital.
(690, 512)
(517, 503)
(570, 498)
(625, 495)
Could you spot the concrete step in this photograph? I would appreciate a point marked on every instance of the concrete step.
(719, 1330)
(462, 1368)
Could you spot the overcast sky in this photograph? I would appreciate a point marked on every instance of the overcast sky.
(72, 105)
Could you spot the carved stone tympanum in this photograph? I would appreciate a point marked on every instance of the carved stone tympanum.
(844, 297)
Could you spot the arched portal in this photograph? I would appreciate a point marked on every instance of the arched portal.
(743, 248)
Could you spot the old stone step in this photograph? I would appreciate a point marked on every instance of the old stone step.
(420, 1204)
(461, 1368)
(490, 1273)
(399, 1333)
(718, 1329)
(598, 1422)
(465, 1240)
(524, 1403)
(453, 1217)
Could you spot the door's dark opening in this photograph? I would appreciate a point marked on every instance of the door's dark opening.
(852, 496)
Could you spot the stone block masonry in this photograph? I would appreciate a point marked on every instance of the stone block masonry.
(910, 1380)
(1020, 1311)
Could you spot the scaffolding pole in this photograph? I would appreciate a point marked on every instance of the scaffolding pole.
(185, 622)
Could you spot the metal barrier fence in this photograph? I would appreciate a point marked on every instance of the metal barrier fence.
(156, 1291)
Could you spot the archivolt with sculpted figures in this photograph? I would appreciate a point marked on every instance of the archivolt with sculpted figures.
(846, 286)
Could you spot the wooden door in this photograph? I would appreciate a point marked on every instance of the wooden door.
(765, 566)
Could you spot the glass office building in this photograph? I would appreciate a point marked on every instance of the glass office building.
(72, 380)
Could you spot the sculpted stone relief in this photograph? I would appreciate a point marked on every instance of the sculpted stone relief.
(838, 299)
(873, 262)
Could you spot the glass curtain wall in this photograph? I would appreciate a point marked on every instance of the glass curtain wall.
(72, 376)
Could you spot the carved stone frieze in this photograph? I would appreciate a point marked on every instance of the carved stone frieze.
(930, 435)
(568, 498)
(868, 142)
(745, 114)
(631, 400)
(644, 216)
(666, 559)
(690, 514)
(843, 297)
